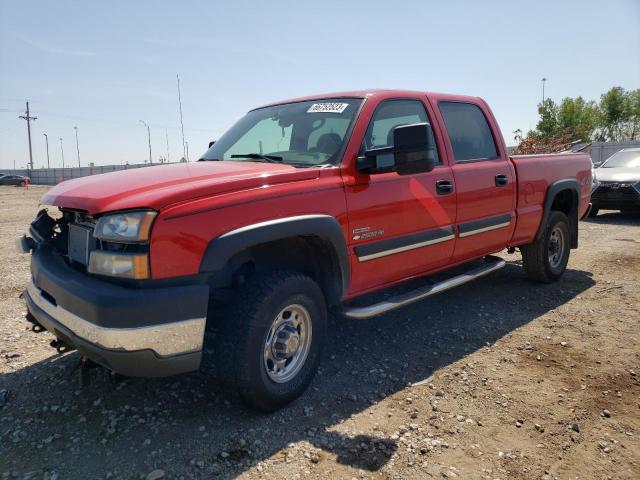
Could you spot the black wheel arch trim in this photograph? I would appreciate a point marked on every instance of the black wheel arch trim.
(223, 248)
(552, 191)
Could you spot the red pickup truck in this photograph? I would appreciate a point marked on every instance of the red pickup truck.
(302, 206)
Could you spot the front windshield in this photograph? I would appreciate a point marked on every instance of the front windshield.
(623, 159)
(301, 134)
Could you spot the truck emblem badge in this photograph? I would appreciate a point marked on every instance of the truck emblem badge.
(364, 233)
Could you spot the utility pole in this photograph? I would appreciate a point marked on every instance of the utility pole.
(166, 133)
(46, 139)
(62, 153)
(184, 148)
(77, 147)
(544, 80)
(149, 135)
(28, 118)
(187, 144)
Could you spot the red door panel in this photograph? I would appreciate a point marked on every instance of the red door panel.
(404, 219)
(486, 217)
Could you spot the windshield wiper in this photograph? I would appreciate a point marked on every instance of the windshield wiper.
(256, 156)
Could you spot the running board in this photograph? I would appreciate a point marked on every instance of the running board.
(491, 265)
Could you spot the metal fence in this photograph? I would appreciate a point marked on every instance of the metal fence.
(600, 151)
(52, 176)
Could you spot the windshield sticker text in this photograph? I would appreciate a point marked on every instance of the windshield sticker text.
(327, 108)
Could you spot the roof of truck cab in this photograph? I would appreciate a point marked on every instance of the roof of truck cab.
(379, 93)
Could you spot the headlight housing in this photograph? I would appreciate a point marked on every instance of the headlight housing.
(594, 181)
(126, 227)
(123, 265)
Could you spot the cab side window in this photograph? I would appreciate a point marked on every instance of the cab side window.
(391, 114)
(469, 132)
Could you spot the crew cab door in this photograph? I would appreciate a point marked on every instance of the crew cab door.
(484, 179)
(399, 225)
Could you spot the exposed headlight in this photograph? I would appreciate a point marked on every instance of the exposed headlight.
(122, 265)
(125, 226)
(594, 181)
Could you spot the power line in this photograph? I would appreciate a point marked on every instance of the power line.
(28, 118)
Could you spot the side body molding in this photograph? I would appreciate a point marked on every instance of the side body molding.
(556, 187)
(221, 249)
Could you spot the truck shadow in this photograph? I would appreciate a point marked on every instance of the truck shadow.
(187, 426)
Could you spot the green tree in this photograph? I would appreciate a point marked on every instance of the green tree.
(615, 113)
(548, 124)
(634, 106)
(577, 118)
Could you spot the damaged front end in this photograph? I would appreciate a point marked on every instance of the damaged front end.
(127, 324)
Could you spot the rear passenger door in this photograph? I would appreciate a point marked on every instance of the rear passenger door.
(484, 179)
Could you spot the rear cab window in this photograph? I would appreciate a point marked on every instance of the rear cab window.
(469, 132)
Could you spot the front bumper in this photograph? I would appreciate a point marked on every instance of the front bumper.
(615, 196)
(141, 332)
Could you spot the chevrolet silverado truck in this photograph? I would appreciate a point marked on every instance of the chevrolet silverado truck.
(302, 207)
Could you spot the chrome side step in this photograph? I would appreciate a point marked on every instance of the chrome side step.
(491, 265)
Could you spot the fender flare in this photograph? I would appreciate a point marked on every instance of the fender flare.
(556, 187)
(221, 249)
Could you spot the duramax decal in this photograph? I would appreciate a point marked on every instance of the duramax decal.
(364, 233)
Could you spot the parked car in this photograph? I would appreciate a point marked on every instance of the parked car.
(17, 180)
(617, 183)
(302, 206)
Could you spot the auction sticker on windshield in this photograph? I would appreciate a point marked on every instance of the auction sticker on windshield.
(327, 107)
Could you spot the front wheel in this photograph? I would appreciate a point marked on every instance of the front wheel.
(272, 338)
(545, 260)
(594, 211)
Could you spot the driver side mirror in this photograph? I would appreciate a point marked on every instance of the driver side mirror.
(412, 152)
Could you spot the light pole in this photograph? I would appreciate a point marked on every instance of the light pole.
(62, 153)
(149, 135)
(77, 147)
(166, 134)
(46, 139)
(544, 80)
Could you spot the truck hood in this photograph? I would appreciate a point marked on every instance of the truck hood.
(621, 174)
(163, 185)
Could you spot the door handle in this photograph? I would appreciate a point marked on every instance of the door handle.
(444, 187)
(501, 180)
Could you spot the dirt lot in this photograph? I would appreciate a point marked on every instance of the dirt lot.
(517, 381)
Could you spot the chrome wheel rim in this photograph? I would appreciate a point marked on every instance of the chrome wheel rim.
(557, 245)
(287, 343)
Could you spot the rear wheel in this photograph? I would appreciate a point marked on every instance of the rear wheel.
(545, 260)
(594, 211)
(272, 338)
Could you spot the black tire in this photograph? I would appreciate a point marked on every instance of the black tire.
(240, 350)
(536, 257)
(594, 211)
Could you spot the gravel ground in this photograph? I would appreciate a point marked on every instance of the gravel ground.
(501, 378)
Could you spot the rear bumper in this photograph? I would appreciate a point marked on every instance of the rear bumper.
(142, 332)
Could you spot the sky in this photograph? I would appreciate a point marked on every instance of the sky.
(104, 66)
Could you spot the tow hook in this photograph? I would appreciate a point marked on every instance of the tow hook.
(60, 346)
